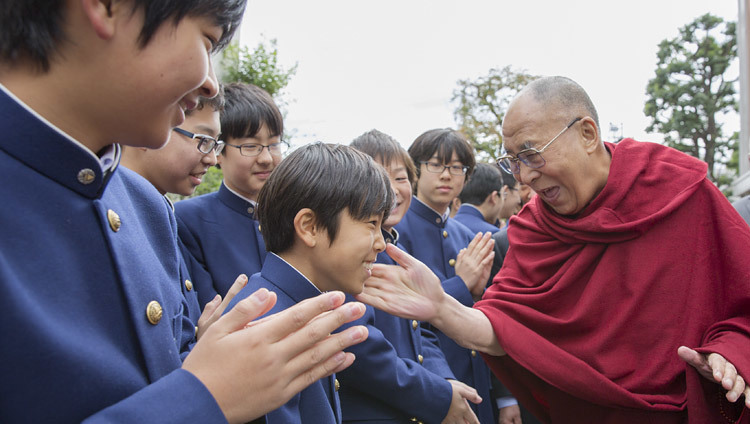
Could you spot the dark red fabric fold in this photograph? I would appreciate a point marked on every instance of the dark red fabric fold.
(591, 309)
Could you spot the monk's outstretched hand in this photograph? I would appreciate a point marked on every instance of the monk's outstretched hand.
(408, 290)
(717, 369)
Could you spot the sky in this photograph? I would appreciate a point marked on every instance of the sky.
(393, 65)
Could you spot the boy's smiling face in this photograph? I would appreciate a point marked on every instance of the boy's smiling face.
(179, 166)
(437, 190)
(346, 263)
(156, 83)
(401, 187)
(247, 174)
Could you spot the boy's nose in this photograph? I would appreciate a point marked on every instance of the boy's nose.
(379, 244)
(210, 87)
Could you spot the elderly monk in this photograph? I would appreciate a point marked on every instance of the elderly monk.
(612, 306)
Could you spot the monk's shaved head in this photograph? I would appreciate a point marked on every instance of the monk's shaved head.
(563, 93)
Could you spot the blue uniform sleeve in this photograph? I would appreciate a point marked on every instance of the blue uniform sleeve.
(178, 397)
(402, 383)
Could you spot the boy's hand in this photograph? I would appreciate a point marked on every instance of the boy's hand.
(215, 308)
(253, 369)
(460, 412)
(473, 264)
(408, 290)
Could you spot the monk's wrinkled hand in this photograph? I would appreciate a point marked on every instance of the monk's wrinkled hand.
(716, 368)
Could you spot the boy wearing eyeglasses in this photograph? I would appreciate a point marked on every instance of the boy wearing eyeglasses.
(444, 160)
(219, 230)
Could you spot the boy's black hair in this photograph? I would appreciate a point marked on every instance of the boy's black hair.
(384, 149)
(509, 180)
(327, 178)
(33, 29)
(486, 179)
(246, 108)
(444, 142)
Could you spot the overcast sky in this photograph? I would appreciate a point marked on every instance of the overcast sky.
(393, 65)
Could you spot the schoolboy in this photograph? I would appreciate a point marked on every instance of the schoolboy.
(91, 305)
(219, 229)
(179, 167)
(488, 197)
(400, 374)
(444, 160)
(320, 213)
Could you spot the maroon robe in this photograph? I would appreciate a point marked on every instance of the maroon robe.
(591, 309)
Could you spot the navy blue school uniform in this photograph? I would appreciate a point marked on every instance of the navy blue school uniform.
(436, 241)
(400, 374)
(93, 312)
(220, 233)
(473, 219)
(319, 403)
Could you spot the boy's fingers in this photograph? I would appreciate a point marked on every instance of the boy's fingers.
(336, 363)
(286, 322)
(245, 311)
(325, 357)
(239, 284)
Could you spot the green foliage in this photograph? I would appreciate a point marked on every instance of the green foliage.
(481, 106)
(259, 67)
(690, 91)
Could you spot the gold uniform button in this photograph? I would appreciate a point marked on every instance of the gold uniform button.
(445, 234)
(438, 220)
(86, 176)
(452, 262)
(414, 324)
(153, 312)
(250, 210)
(188, 285)
(336, 384)
(413, 419)
(473, 352)
(114, 220)
(420, 358)
(258, 227)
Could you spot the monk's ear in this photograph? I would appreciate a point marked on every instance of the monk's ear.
(306, 227)
(100, 16)
(589, 134)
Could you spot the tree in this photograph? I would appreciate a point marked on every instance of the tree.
(691, 90)
(481, 106)
(259, 67)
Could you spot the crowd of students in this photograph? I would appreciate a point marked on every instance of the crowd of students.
(240, 305)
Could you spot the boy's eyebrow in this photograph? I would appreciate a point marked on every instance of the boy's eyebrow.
(203, 129)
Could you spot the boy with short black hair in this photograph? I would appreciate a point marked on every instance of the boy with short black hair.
(220, 230)
(444, 160)
(93, 311)
(320, 214)
(488, 198)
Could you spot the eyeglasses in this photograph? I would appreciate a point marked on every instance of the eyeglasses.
(206, 143)
(438, 168)
(531, 157)
(275, 149)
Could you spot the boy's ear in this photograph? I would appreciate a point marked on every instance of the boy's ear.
(100, 16)
(306, 227)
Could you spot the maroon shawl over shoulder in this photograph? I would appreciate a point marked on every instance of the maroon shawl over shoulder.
(591, 309)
